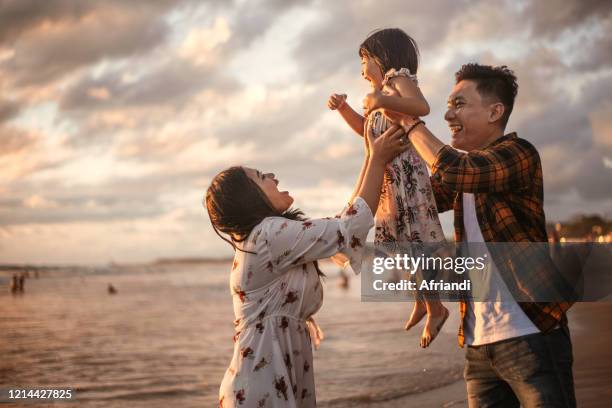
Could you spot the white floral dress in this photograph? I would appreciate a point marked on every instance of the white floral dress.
(407, 209)
(275, 293)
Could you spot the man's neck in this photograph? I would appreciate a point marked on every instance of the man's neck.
(493, 137)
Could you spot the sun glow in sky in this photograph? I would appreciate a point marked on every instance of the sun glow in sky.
(114, 116)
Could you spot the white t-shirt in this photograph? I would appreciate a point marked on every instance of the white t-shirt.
(489, 322)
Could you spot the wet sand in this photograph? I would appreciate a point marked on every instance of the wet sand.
(591, 329)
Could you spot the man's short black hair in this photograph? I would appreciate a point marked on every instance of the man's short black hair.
(496, 82)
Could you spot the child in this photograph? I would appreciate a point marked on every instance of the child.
(407, 211)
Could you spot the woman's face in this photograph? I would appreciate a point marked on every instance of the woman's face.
(280, 200)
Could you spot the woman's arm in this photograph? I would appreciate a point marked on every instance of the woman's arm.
(362, 172)
(382, 150)
(291, 243)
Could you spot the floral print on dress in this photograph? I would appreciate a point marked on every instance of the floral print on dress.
(407, 209)
(275, 292)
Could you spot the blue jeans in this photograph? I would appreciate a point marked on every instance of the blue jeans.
(532, 371)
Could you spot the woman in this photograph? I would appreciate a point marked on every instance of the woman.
(275, 280)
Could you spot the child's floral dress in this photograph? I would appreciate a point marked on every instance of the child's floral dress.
(407, 210)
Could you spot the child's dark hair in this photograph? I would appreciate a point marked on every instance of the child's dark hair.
(236, 205)
(496, 82)
(391, 48)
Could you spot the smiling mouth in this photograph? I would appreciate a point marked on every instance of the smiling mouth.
(455, 129)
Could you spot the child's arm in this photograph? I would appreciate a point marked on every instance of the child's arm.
(352, 118)
(407, 98)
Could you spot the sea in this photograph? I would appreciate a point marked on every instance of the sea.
(164, 338)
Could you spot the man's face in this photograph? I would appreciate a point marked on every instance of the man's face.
(468, 117)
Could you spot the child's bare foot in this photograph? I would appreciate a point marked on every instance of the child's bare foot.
(419, 310)
(433, 325)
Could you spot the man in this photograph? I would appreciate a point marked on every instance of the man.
(518, 353)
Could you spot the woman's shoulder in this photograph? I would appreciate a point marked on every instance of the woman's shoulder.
(258, 236)
(267, 229)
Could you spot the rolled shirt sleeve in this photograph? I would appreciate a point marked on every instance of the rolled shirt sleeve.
(506, 166)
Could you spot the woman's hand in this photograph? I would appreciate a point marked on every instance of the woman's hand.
(387, 146)
(382, 150)
(336, 101)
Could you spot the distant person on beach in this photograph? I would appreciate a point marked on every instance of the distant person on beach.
(275, 278)
(407, 213)
(21, 283)
(518, 353)
(111, 289)
(14, 288)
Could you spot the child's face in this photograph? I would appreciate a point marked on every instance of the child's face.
(371, 72)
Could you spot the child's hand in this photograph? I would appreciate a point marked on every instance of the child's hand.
(372, 101)
(336, 101)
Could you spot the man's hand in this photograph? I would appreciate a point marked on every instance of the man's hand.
(336, 101)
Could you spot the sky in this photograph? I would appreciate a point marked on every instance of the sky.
(115, 115)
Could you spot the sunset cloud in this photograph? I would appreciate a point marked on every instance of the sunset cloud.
(116, 115)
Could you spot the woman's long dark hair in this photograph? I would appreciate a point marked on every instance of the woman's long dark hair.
(236, 204)
(391, 48)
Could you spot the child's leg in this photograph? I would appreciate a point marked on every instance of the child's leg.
(418, 312)
(436, 317)
(427, 302)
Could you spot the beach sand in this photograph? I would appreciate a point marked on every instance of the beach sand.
(591, 330)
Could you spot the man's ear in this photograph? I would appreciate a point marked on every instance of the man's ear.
(496, 111)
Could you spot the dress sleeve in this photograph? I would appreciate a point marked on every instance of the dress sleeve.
(291, 243)
(402, 72)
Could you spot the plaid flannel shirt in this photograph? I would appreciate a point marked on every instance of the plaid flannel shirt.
(506, 180)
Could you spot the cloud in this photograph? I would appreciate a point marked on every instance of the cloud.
(201, 43)
(62, 36)
(252, 19)
(170, 84)
(602, 128)
(18, 16)
(331, 42)
(8, 109)
(553, 17)
(116, 115)
(23, 154)
(14, 140)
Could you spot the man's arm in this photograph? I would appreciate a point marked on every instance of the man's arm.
(424, 141)
(444, 196)
(502, 167)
